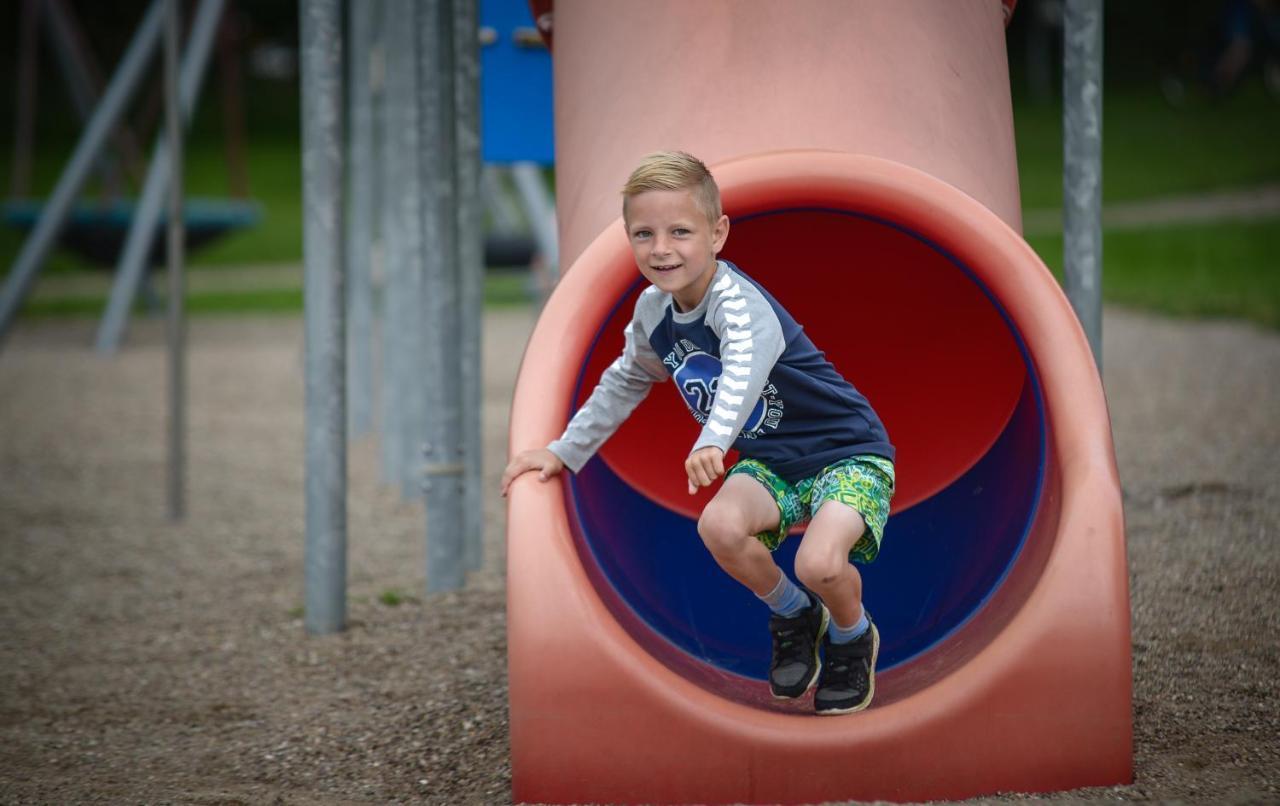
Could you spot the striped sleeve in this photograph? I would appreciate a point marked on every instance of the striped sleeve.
(751, 341)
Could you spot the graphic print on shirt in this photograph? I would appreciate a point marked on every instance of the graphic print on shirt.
(698, 375)
(698, 379)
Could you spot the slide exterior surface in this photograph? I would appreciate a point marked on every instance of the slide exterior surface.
(887, 226)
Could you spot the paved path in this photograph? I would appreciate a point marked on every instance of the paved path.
(1243, 204)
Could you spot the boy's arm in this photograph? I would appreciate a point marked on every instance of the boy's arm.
(621, 388)
(751, 341)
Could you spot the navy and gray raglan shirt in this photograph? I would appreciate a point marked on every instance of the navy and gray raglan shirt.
(748, 374)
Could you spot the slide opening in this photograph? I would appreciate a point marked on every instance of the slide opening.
(915, 329)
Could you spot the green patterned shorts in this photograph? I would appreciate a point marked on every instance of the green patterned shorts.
(863, 482)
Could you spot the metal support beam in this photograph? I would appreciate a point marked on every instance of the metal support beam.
(1082, 166)
(80, 71)
(540, 207)
(146, 216)
(177, 326)
(443, 470)
(360, 221)
(470, 252)
(403, 150)
(326, 418)
(497, 203)
(114, 101)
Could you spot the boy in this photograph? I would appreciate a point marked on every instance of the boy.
(812, 448)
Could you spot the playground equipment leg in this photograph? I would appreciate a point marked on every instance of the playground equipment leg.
(541, 209)
(470, 261)
(393, 126)
(177, 329)
(326, 419)
(443, 471)
(1082, 165)
(360, 218)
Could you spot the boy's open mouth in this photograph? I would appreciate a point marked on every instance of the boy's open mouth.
(667, 268)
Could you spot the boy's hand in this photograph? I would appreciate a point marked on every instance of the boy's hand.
(539, 459)
(704, 466)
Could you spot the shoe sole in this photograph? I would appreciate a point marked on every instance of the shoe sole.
(817, 661)
(871, 682)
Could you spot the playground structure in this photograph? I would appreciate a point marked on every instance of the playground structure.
(425, 209)
(866, 158)
(116, 231)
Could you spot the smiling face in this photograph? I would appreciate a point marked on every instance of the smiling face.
(674, 243)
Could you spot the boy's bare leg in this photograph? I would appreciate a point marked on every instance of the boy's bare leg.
(822, 561)
(851, 644)
(742, 509)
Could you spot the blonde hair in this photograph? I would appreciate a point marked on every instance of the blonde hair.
(675, 170)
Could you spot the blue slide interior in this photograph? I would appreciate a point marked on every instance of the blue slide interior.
(941, 559)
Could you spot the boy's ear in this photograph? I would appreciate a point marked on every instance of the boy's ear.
(720, 234)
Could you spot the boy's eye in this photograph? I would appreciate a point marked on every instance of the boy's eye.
(681, 231)
(640, 233)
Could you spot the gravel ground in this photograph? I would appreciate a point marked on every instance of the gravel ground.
(144, 661)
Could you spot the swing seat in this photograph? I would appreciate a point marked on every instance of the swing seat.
(97, 230)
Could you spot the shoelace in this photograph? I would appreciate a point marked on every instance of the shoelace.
(787, 643)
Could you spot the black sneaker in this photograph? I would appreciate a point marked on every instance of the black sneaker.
(849, 677)
(796, 639)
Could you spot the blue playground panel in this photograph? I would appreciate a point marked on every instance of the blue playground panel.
(515, 86)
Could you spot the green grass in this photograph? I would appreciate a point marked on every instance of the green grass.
(1150, 150)
(502, 289)
(275, 180)
(394, 597)
(1226, 269)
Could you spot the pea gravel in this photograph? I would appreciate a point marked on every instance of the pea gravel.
(144, 661)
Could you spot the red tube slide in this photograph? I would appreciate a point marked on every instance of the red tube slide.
(864, 153)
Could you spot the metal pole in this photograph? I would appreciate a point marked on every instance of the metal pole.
(177, 328)
(404, 257)
(493, 192)
(326, 418)
(360, 218)
(470, 241)
(146, 216)
(1082, 166)
(442, 481)
(540, 207)
(114, 101)
(389, 404)
(394, 109)
(79, 72)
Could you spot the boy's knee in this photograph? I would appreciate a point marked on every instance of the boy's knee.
(818, 569)
(723, 529)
